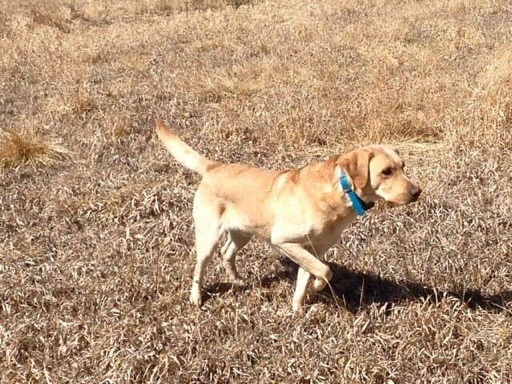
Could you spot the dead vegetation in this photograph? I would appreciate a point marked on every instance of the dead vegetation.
(96, 253)
(17, 149)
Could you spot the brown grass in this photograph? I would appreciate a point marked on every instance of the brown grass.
(96, 255)
(17, 149)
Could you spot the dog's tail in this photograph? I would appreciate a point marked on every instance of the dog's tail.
(181, 151)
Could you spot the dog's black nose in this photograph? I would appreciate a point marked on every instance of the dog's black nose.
(415, 192)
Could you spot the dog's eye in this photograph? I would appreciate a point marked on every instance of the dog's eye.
(387, 171)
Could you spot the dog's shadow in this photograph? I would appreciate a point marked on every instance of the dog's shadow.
(358, 290)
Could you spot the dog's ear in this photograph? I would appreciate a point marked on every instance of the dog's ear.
(357, 166)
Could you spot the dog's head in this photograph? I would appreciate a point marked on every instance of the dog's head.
(377, 172)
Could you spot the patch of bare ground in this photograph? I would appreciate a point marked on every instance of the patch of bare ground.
(96, 239)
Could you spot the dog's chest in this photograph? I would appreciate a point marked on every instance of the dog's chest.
(322, 231)
(328, 231)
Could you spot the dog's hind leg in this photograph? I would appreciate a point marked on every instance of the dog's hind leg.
(235, 241)
(207, 229)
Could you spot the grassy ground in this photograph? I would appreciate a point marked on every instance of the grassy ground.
(96, 239)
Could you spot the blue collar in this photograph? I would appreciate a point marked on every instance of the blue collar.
(357, 203)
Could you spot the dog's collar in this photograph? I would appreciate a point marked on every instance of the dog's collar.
(359, 205)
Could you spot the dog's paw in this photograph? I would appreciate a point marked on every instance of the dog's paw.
(298, 307)
(195, 297)
(318, 284)
(237, 281)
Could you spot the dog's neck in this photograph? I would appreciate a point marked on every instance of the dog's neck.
(358, 204)
(351, 199)
(323, 178)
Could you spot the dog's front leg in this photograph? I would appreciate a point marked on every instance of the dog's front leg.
(300, 290)
(310, 265)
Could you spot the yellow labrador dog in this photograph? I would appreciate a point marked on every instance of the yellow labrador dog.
(302, 211)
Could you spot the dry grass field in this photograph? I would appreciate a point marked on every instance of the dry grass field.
(96, 236)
